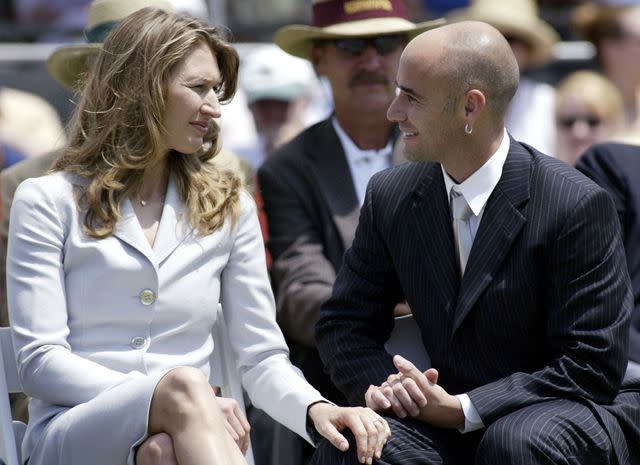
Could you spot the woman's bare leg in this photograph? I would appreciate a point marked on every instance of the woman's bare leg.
(184, 407)
(156, 450)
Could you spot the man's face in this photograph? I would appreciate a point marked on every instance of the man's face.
(425, 116)
(361, 71)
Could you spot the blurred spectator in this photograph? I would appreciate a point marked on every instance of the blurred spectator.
(29, 123)
(530, 115)
(589, 109)
(278, 89)
(196, 8)
(59, 19)
(63, 20)
(9, 156)
(614, 28)
(437, 8)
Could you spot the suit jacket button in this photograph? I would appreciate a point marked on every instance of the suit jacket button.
(138, 342)
(147, 297)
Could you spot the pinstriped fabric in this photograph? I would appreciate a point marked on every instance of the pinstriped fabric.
(559, 432)
(542, 311)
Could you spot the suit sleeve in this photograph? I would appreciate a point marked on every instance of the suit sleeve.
(302, 275)
(355, 323)
(588, 308)
(47, 367)
(599, 166)
(272, 382)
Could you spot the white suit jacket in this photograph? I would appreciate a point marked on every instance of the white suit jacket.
(88, 314)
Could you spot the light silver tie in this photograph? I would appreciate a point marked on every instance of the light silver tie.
(461, 227)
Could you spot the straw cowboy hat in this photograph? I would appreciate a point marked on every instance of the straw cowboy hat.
(515, 18)
(335, 19)
(68, 63)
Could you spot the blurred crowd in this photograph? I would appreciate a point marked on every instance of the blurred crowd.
(280, 95)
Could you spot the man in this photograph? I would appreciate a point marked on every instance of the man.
(520, 289)
(616, 168)
(278, 89)
(313, 186)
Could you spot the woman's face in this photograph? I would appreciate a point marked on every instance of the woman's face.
(578, 127)
(192, 102)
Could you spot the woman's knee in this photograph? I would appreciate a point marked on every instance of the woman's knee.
(181, 393)
(156, 450)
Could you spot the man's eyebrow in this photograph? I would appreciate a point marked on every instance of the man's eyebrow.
(409, 91)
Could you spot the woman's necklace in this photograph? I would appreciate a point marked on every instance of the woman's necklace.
(144, 203)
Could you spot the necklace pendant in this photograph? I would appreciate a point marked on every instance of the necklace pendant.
(143, 203)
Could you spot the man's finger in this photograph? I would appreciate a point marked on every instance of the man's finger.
(408, 369)
(375, 400)
(432, 375)
(414, 391)
(396, 406)
(405, 399)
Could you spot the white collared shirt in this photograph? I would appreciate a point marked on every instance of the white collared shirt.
(363, 164)
(476, 190)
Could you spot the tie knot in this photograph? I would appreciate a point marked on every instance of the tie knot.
(459, 207)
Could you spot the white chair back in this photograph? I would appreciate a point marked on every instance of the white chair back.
(11, 432)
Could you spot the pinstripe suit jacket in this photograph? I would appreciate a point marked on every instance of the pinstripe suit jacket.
(543, 309)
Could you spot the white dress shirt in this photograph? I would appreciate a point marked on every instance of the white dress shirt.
(362, 163)
(476, 190)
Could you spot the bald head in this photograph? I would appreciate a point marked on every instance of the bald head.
(469, 55)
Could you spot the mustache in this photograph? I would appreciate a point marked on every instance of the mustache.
(366, 77)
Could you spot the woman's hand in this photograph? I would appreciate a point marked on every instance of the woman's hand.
(370, 429)
(235, 422)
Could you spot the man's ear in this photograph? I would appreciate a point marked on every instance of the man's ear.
(474, 103)
(316, 57)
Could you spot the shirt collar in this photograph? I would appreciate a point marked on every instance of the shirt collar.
(477, 188)
(354, 152)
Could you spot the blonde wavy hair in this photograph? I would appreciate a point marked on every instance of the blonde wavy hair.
(116, 131)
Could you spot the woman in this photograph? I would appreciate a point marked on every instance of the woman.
(118, 259)
(614, 29)
(588, 109)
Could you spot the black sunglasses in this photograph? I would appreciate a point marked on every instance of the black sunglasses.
(383, 44)
(568, 121)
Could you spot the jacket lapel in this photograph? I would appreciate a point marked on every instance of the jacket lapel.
(128, 230)
(172, 230)
(501, 222)
(335, 181)
(432, 221)
(174, 227)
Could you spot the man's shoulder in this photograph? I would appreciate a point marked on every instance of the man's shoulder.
(404, 176)
(296, 152)
(33, 167)
(613, 158)
(549, 174)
